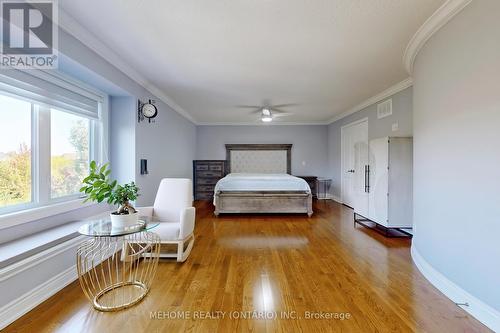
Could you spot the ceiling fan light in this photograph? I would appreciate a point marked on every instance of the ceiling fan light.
(266, 115)
(266, 119)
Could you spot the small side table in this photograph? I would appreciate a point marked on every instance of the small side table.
(311, 181)
(324, 185)
(117, 266)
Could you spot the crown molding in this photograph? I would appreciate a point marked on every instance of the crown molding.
(374, 99)
(256, 123)
(408, 82)
(70, 25)
(437, 20)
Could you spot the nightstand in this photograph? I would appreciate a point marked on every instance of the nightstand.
(312, 181)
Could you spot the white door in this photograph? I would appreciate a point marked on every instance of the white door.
(354, 162)
(378, 184)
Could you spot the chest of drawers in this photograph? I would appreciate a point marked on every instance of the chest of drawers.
(206, 173)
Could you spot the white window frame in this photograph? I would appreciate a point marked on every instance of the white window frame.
(42, 205)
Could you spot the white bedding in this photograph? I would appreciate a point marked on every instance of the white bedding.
(261, 182)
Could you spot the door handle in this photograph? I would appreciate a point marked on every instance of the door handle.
(351, 171)
(367, 179)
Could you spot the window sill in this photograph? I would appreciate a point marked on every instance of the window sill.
(30, 248)
(29, 215)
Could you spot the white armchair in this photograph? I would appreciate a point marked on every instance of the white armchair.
(173, 207)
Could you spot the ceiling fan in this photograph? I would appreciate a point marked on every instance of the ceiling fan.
(268, 112)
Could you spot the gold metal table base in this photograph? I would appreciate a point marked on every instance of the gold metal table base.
(138, 288)
(116, 272)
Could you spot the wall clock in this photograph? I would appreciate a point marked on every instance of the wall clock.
(146, 111)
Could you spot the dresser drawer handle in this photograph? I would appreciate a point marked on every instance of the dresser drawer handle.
(207, 181)
(207, 188)
(209, 174)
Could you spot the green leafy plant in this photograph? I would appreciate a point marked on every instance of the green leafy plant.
(98, 187)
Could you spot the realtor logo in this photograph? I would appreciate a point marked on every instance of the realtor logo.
(29, 34)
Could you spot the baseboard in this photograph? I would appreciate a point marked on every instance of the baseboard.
(328, 196)
(478, 309)
(336, 198)
(20, 306)
(26, 302)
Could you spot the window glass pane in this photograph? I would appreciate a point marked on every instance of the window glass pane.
(15, 151)
(69, 152)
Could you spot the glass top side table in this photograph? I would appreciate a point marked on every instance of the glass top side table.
(116, 266)
(104, 228)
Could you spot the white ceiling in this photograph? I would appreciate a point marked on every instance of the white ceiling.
(210, 56)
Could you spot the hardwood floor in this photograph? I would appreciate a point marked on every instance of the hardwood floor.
(281, 265)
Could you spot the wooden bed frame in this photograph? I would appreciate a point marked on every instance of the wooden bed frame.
(262, 201)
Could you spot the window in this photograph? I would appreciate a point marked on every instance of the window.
(50, 130)
(69, 149)
(15, 152)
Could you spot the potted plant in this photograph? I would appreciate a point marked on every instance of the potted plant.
(98, 187)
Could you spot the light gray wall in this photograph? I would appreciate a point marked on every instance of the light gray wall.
(122, 148)
(377, 128)
(457, 151)
(309, 150)
(87, 66)
(169, 145)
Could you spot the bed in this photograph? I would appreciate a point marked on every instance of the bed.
(259, 181)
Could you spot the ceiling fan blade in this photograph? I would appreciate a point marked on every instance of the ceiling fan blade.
(279, 111)
(278, 115)
(277, 106)
(248, 106)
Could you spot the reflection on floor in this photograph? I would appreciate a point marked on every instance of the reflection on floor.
(258, 242)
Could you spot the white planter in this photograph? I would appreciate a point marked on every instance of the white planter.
(122, 221)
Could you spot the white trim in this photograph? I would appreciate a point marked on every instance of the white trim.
(259, 123)
(328, 196)
(359, 121)
(41, 204)
(68, 23)
(408, 82)
(437, 20)
(400, 86)
(36, 259)
(43, 145)
(20, 306)
(478, 309)
(336, 198)
(28, 215)
(342, 162)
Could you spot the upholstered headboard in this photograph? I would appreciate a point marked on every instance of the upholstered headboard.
(259, 158)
